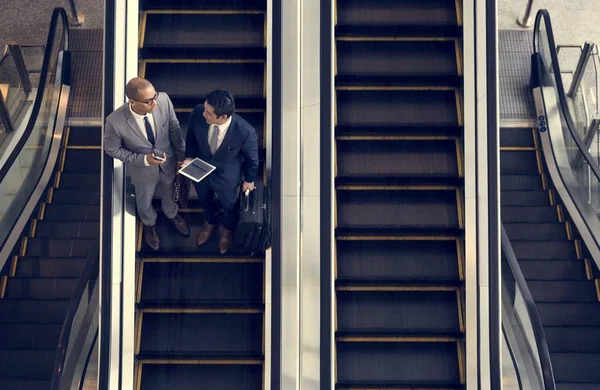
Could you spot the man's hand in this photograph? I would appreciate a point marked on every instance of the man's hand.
(247, 186)
(153, 160)
(186, 162)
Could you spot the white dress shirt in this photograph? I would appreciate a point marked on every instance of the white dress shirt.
(222, 132)
(139, 119)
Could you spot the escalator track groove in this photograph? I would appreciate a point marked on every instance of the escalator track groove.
(399, 195)
(200, 314)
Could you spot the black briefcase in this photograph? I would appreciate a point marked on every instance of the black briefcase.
(253, 231)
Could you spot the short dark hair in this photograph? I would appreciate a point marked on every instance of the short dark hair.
(222, 101)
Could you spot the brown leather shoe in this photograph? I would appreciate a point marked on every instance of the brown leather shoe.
(180, 225)
(205, 233)
(151, 237)
(225, 240)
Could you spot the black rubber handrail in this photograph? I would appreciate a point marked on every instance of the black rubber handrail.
(58, 15)
(534, 317)
(90, 270)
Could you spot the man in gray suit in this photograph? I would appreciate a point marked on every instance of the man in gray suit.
(144, 133)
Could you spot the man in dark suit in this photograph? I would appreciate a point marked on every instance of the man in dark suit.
(224, 139)
(144, 133)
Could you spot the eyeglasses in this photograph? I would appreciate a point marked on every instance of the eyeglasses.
(153, 99)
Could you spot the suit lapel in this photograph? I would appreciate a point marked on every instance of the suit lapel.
(158, 120)
(228, 136)
(204, 139)
(133, 125)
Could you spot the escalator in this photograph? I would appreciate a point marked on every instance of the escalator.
(200, 314)
(399, 214)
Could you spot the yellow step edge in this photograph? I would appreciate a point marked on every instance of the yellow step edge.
(142, 29)
(13, 265)
(202, 362)
(3, 284)
(85, 147)
(139, 281)
(393, 39)
(518, 148)
(204, 260)
(395, 88)
(138, 332)
(398, 339)
(461, 362)
(138, 377)
(395, 238)
(203, 12)
(396, 288)
(201, 311)
(201, 61)
(397, 188)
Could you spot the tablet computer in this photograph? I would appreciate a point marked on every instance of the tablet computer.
(197, 170)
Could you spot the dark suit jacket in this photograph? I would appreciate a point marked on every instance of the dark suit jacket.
(238, 150)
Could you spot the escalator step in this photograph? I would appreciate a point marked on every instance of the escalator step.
(40, 288)
(396, 158)
(200, 30)
(379, 58)
(406, 131)
(82, 161)
(84, 181)
(53, 229)
(397, 311)
(516, 137)
(197, 79)
(377, 365)
(576, 367)
(202, 334)
(203, 53)
(55, 212)
(24, 384)
(520, 182)
(382, 81)
(553, 269)
(33, 311)
(69, 267)
(563, 291)
(186, 376)
(393, 12)
(572, 339)
(538, 214)
(538, 250)
(536, 231)
(203, 282)
(396, 209)
(524, 198)
(569, 314)
(85, 136)
(23, 335)
(396, 108)
(577, 386)
(397, 260)
(26, 363)
(42, 247)
(75, 196)
(206, 5)
(518, 163)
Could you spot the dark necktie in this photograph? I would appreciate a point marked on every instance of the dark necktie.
(149, 131)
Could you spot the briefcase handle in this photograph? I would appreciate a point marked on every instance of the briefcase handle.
(245, 203)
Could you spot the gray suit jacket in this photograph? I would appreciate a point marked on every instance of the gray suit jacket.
(123, 140)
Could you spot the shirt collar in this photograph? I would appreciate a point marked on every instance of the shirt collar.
(225, 125)
(138, 116)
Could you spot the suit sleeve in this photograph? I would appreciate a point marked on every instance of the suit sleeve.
(175, 134)
(191, 142)
(114, 148)
(250, 152)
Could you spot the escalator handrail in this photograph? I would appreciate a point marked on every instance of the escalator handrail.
(534, 317)
(92, 265)
(562, 99)
(58, 15)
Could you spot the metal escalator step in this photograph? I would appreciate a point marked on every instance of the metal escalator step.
(84, 181)
(388, 158)
(85, 136)
(57, 212)
(208, 5)
(563, 291)
(397, 209)
(203, 53)
(393, 12)
(215, 283)
(86, 40)
(397, 260)
(202, 334)
(40, 288)
(24, 335)
(518, 162)
(536, 231)
(377, 365)
(516, 137)
(406, 132)
(82, 160)
(186, 376)
(24, 384)
(553, 269)
(576, 367)
(552, 250)
(70, 196)
(43, 247)
(68, 267)
(396, 82)
(569, 314)
(401, 181)
(520, 182)
(197, 79)
(54, 229)
(33, 311)
(192, 307)
(572, 339)
(537, 214)
(406, 312)
(26, 363)
(380, 58)
(396, 108)
(205, 30)
(577, 386)
(407, 32)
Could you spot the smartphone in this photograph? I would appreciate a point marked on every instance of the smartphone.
(159, 158)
